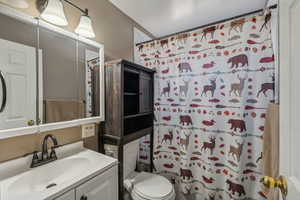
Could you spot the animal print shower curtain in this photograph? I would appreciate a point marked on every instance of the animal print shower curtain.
(212, 88)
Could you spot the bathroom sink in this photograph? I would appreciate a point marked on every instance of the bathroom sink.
(48, 176)
(52, 180)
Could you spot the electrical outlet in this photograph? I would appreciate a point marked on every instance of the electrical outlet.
(88, 130)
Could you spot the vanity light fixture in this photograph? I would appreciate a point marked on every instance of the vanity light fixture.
(16, 3)
(54, 13)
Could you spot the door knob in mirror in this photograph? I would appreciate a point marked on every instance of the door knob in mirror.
(30, 122)
(83, 197)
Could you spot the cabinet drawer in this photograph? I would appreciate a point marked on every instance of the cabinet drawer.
(67, 196)
(103, 186)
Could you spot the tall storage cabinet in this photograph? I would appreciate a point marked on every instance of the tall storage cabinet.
(129, 108)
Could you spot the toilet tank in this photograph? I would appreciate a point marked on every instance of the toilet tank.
(130, 157)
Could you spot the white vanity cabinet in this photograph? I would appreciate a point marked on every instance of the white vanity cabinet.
(103, 186)
(67, 196)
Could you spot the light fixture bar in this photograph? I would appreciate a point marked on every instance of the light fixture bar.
(84, 27)
(85, 11)
(54, 13)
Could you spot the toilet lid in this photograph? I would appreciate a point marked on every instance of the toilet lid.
(151, 186)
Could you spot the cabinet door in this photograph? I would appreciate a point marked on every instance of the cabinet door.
(145, 93)
(67, 196)
(102, 187)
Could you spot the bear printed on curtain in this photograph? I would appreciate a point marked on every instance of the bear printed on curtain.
(212, 88)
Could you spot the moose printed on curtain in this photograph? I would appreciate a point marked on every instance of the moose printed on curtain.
(212, 88)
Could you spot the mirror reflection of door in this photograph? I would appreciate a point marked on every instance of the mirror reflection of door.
(18, 73)
(18, 67)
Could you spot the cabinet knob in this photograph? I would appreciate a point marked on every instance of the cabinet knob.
(83, 197)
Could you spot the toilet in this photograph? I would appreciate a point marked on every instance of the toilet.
(144, 186)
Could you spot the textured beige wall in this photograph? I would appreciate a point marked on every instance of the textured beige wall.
(113, 28)
(18, 146)
(15, 147)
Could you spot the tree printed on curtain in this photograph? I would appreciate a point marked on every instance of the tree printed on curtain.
(212, 88)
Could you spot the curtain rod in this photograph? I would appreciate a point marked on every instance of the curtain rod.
(210, 24)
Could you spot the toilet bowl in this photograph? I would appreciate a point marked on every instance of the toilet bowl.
(144, 186)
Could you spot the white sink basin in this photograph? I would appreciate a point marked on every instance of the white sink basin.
(51, 180)
(52, 175)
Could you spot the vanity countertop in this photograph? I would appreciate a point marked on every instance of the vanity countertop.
(75, 166)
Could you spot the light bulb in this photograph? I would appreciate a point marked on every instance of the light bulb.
(54, 13)
(85, 27)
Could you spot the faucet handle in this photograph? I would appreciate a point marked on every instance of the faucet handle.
(35, 159)
(35, 155)
(53, 153)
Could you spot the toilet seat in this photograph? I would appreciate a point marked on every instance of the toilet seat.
(152, 187)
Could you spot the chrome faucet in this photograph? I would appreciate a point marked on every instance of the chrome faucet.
(45, 157)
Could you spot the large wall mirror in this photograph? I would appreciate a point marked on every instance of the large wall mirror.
(49, 78)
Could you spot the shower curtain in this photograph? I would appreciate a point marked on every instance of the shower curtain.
(212, 88)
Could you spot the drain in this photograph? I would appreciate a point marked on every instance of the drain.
(51, 185)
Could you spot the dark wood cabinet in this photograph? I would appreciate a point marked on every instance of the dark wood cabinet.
(129, 107)
(129, 99)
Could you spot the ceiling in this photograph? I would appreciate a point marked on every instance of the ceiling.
(164, 17)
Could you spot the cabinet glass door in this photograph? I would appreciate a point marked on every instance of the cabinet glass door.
(145, 93)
